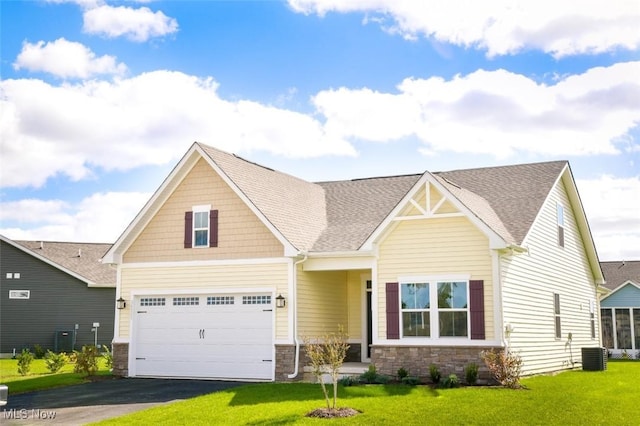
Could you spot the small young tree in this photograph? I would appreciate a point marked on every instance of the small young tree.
(24, 362)
(326, 356)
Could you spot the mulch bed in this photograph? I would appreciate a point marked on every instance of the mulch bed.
(331, 413)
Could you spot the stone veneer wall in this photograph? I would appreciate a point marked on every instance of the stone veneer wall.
(120, 359)
(417, 360)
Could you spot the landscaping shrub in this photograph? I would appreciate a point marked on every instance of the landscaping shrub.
(411, 381)
(54, 361)
(504, 365)
(451, 381)
(402, 373)
(348, 381)
(87, 360)
(24, 362)
(371, 376)
(38, 351)
(434, 374)
(471, 373)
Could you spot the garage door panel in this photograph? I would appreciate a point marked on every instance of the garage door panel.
(232, 340)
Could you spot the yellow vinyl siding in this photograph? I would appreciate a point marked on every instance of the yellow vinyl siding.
(437, 246)
(211, 278)
(529, 282)
(322, 302)
(355, 300)
(240, 233)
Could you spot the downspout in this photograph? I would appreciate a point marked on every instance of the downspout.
(294, 305)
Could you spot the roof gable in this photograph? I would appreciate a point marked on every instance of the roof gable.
(80, 260)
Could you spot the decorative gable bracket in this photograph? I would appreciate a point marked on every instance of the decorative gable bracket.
(426, 206)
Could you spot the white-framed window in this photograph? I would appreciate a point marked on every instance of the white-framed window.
(186, 301)
(201, 226)
(220, 300)
(19, 294)
(256, 300)
(435, 308)
(152, 301)
(556, 315)
(620, 328)
(560, 220)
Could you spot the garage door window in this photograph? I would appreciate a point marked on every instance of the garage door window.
(152, 301)
(220, 300)
(256, 300)
(186, 301)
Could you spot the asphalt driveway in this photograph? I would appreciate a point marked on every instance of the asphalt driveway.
(91, 402)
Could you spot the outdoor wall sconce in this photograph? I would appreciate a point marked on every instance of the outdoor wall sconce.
(280, 301)
(121, 303)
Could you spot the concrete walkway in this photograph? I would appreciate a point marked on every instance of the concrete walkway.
(92, 402)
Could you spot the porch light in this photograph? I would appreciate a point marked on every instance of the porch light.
(121, 303)
(280, 301)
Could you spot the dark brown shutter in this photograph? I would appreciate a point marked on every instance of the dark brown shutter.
(476, 308)
(188, 229)
(393, 312)
(213, 230)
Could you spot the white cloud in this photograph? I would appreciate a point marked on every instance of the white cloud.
(136, 24)
(496, 112)
(66, 59)
(502, 27)
(150, 119)
(612, 206)
(86, 221)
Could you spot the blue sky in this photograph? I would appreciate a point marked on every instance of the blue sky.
(101, 98)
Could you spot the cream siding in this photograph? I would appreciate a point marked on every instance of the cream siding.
(210, 278)
(322, 302)
(436, 246)
(355, 301)
(529, 282)
(241, 233)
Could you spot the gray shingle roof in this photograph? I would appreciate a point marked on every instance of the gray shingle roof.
(619, 272)
(341, 215)
(356, 207)
(515, 193)
(293, 206)
(87, 265)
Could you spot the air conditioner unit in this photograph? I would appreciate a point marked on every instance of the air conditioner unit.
(594, 359)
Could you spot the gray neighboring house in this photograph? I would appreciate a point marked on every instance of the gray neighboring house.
(52, 294)
(620, 308)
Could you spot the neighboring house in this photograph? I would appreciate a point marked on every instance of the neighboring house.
(620, 309)
(52, 293)
(421, 269)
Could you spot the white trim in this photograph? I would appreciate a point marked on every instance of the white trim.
(364, 341)
(441, 342)
(409, 279)
(200, 291)
(213, 262)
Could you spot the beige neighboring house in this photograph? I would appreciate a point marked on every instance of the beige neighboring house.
(231, 264)
(620, 308)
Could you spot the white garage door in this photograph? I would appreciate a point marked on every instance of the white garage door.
(204, 336)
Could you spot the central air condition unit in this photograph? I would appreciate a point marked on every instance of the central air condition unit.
(594, 359)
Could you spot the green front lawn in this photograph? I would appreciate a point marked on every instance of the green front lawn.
(570, 398)
(39, 377)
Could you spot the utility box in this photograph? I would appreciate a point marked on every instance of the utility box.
(63, 341)
(594, 359)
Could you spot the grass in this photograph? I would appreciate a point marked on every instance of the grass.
(574, 397)
(39, 377)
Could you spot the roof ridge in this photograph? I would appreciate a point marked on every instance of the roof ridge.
(505, 166)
